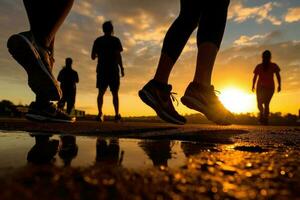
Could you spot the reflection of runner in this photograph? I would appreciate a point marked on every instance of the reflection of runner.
(33, 50)
(158, 151)
(43, 151)
(108, 50)
(68, 149)
(108, 153)
(265, 85)
(210, 18)
(191, 148)
(68, 79)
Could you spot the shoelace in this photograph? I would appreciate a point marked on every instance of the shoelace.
(57, 110)
(217, 92)
(47, 51)
(172, 95)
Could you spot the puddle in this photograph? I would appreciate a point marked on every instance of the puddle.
(18, 149)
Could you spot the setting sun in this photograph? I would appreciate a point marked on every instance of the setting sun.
(237, 101)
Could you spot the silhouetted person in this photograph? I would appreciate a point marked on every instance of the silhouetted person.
(68, 78)
(68, 149)
(43, 151)
(34, 50)
(107, 49)
(265, 85)
(159, 151)
(108, 152)
(209, 16)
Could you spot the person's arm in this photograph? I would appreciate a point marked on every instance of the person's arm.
(77, 78)
(278, 80)
(94, 54)
(254, 82)
(119, 57)
(120, 62)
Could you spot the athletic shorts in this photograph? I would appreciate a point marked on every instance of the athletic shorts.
(113, 82)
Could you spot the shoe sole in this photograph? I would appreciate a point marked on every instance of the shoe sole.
(148, 99)
(194, 104)
(39, 79)
(40, 118)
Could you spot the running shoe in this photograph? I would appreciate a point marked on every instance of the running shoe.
(48, 113)
(118, 118)
(204, 100)
(37, 62)
(159, 97)
(263, 120)
(100, 118)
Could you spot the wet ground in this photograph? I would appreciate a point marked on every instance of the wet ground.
(148, 161)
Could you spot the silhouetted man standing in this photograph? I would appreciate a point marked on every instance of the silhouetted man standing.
(107, 49)
(68, 79)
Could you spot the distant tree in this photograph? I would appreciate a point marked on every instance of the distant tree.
(290, 118)
(7, 108)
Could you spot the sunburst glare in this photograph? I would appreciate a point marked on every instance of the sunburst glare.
(237, 101)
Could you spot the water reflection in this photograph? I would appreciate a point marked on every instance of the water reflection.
(108, 152)
(43, 151)
(194, 148)
(80, 151)
(68, 149)
(159, 151)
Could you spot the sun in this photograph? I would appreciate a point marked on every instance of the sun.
(237, 101)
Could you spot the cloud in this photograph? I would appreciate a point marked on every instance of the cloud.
(239, 13)
(293, 15)
(245, 40)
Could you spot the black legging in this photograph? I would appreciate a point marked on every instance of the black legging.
(45, 18)
(209, 15)
(264, 96)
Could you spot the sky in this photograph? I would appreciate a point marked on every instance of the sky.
(252, 27)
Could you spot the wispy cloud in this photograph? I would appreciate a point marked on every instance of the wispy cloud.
(238, 12)
(245, 40)
(293, 15)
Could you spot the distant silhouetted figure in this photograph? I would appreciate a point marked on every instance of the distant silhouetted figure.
(209, 16)
(265, 84)
(107, 49)
(34, 51)
(68, 78)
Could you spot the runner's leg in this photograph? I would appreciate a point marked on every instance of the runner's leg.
(210, 34)
(46, 17)
(177, 37)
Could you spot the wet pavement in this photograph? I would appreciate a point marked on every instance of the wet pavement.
(150, 161)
